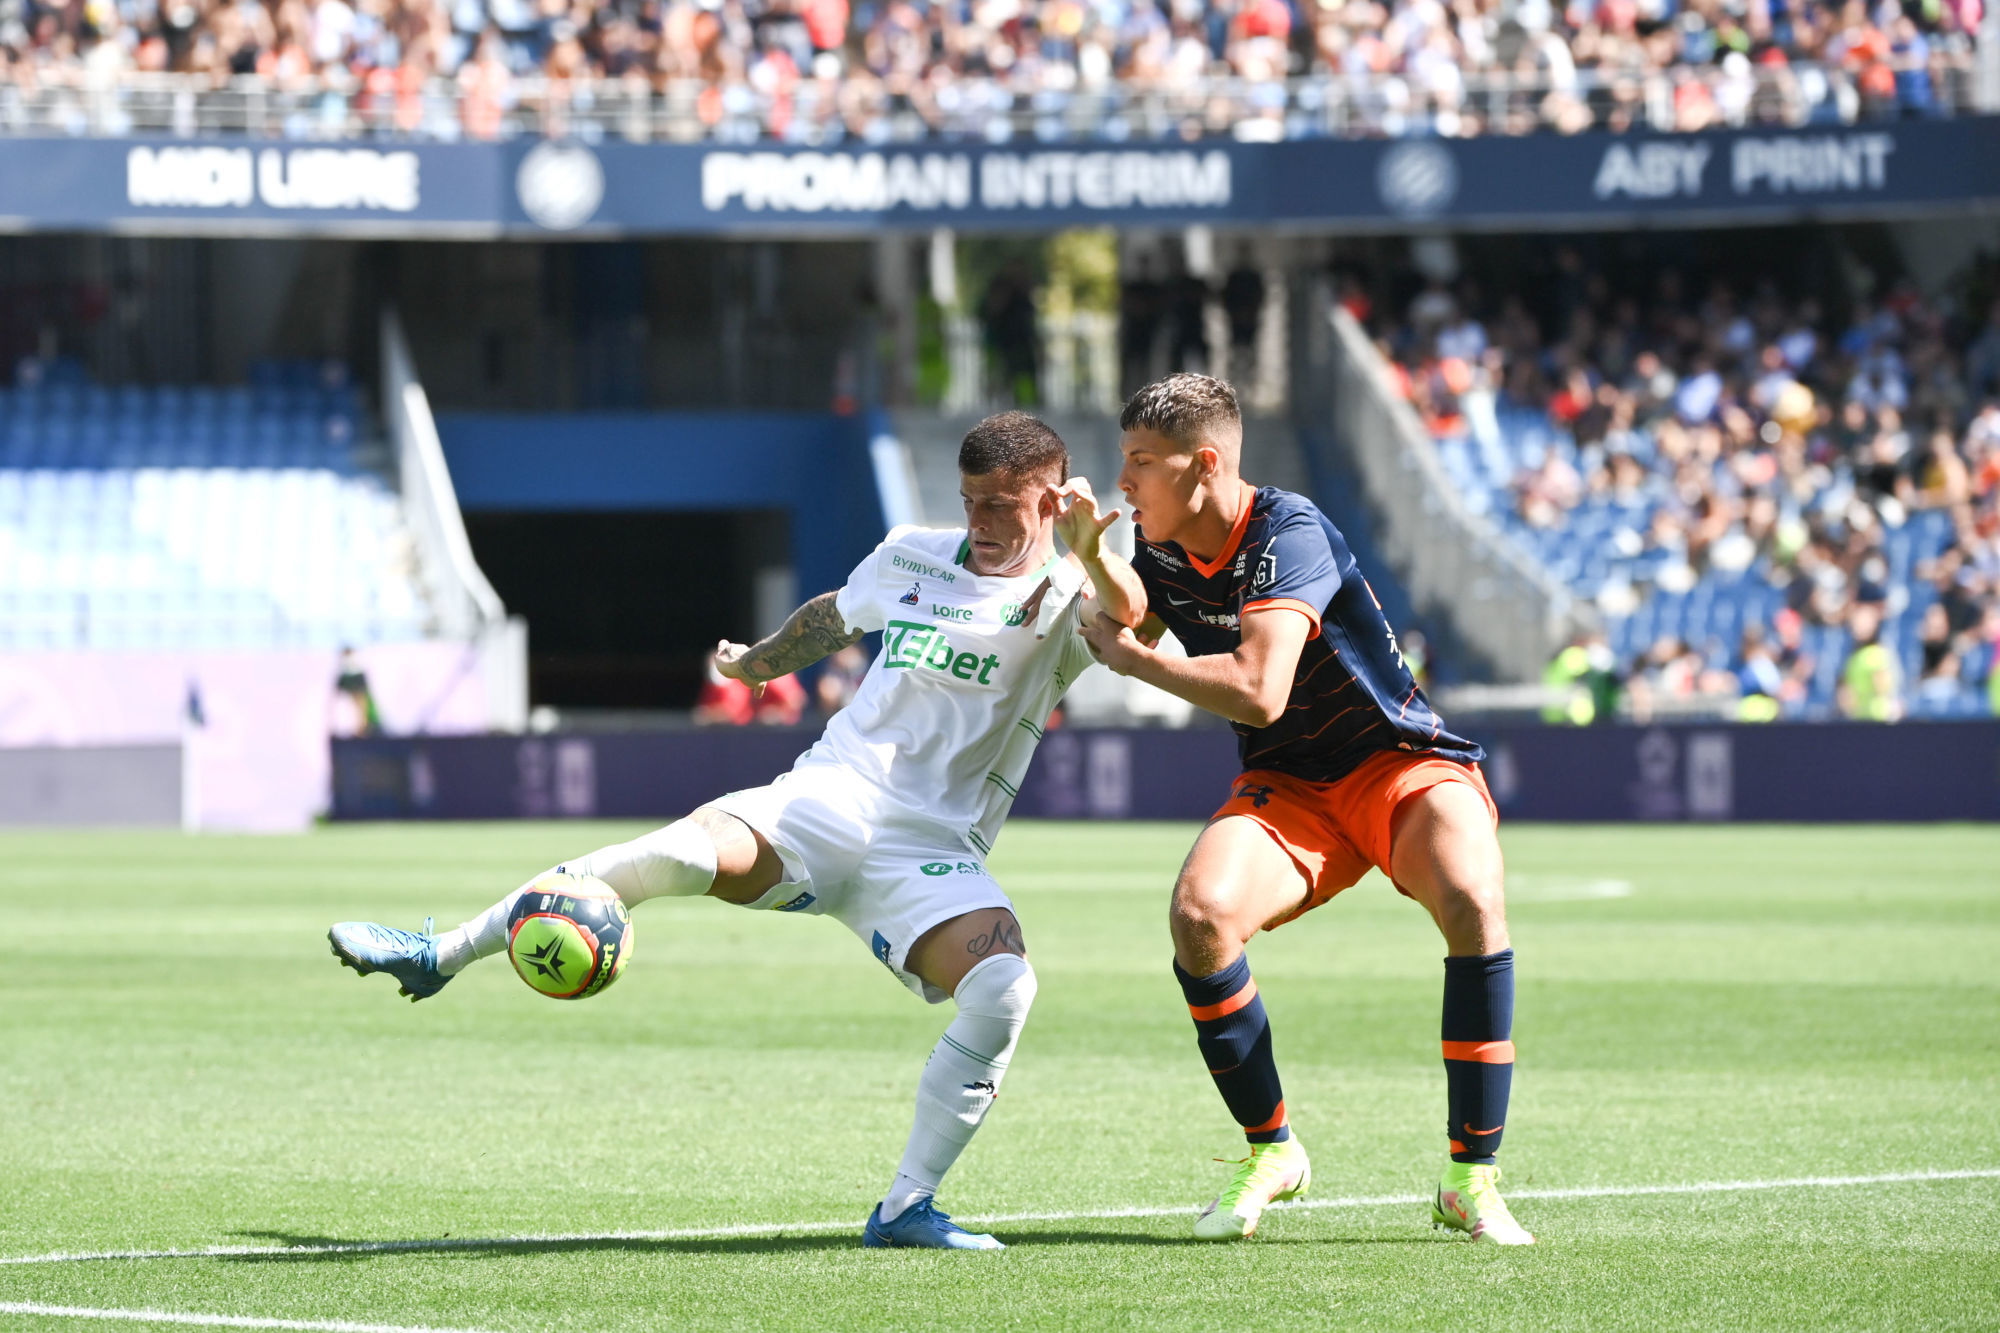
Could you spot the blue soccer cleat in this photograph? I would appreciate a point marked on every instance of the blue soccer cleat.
(405, 955)
(922, 1227)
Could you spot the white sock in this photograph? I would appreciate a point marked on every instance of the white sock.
(676, 861)
(963, 1076)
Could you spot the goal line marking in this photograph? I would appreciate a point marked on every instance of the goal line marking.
(212, 1320)
(447, 1244)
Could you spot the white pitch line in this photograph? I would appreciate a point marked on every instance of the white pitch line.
(986, 1219)
(214, 1320)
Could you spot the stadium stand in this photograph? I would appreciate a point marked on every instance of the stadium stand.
(816, 71)
(1745, 490)
(196, 517)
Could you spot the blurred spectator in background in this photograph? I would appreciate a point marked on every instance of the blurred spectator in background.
(1993, 667)
(354, 710)
(781, 703)
(723, 701)
(726, 702)
(1013, 338)
(1939, 687)
(1243, 306)
(839, 678)
(1141, 301)
(1416, 656)
(1187, 322)
(1869, 688)
(1672, 676)
(1760, 682)
(1581, 682)
(1982, 358)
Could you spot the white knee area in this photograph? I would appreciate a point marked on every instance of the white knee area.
(998, 990)
(964, 1074)
(677, 861)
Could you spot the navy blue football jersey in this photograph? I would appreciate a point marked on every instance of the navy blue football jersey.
(1351, 696)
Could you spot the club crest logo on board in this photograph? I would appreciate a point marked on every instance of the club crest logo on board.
(560, 185)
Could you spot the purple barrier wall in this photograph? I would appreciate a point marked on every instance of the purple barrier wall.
(1828, 772)
(1832, 772)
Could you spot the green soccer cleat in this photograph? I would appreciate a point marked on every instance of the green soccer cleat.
(1469, 1200)
(1272, 1173)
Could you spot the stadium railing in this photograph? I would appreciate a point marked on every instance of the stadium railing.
(1456, 564)
(467, 607)
(338, 106)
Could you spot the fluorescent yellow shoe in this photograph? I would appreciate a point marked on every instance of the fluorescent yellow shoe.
(1272, 1173)
(1469, 1200)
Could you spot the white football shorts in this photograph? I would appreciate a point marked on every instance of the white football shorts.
(853, 854)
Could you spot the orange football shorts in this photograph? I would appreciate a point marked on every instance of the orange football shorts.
(1334, 831)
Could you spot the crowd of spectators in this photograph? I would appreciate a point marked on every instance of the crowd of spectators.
(827, 69)
(1770, 443)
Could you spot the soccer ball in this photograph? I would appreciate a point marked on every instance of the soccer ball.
(569, 936)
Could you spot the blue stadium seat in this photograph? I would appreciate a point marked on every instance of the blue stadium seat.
(184, 517)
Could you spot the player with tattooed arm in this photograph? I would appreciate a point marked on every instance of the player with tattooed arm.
(886, 822)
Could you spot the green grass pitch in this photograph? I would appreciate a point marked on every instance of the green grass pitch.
(186, 1066)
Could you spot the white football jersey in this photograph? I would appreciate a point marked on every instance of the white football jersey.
(949, 715)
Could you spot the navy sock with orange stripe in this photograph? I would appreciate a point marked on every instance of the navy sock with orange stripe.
(1478, 1051)
(1235, 1040)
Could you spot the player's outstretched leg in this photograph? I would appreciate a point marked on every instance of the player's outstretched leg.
(1235, 880)
(406, 955)
(962, 1078)
(1446, 856)
(679, 860)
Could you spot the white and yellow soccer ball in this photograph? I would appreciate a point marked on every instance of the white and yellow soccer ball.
(569, 936)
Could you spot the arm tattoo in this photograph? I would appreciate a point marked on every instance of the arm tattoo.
(814, 631)
(1004, 938)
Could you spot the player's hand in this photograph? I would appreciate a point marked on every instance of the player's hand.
(1077, 521)
(1112, 643)
(729, 661)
